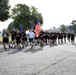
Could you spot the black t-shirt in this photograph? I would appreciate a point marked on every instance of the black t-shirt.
(5, 35)
(41, 34)
(64, 35)
(23, 34)
(72, 35)
(69, 35)
(13, 34)
(18, 36)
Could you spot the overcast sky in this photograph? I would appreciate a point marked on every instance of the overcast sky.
(54, 12)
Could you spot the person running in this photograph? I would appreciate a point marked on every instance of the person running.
(5, 39)
(65, 37)
(18, 39)
(41, 38)
(72, 38)
(61, 37)
(13, 32)
(31, 37)
(24, 38)
(69, 37)
(46, 38)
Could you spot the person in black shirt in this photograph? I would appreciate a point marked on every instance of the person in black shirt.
(13, 37)
(5, 38)
(24, 38)
(46, 37)
(41, 37)
(59, 38)
(64, 35)
(69, 37)
(18, 39)
(51, 39)
(72, 38)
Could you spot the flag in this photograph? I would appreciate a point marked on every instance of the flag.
(37, 28)
(21, 28)
(37, 21)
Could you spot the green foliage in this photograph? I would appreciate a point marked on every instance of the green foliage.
(10, 26)
(25, 16)
(73, 26)
(4, 10)
(36, 15)
(62, 28)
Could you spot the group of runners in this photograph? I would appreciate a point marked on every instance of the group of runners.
(21, 39)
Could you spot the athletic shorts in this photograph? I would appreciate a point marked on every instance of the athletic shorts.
(30, 39)
(5, 40)
(24, 39)
(12, 38)
(18, 41)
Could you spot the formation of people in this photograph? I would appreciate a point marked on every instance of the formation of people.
(21, 39)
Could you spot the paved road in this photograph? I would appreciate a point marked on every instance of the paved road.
(55, 60)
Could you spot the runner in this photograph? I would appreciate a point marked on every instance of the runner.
(31, 37)
(72, 38)
(5, 39)
(18, 39)
(13, 33)
(24, 38)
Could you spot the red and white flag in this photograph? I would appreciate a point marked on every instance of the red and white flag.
(37, 29)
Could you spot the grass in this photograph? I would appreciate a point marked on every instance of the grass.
(0, 40)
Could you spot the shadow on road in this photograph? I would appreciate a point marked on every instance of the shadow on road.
(15, 51)
(2, 50)
(32, 50)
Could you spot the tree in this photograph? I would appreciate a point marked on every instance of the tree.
(10, 27)
(62, 28)
(73, 26)
(74, 22)
(36, 15)
(4, 10)
(25, 16)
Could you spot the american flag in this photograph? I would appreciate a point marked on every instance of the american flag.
(37, 28)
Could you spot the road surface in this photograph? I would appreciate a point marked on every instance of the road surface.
(54, 60)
